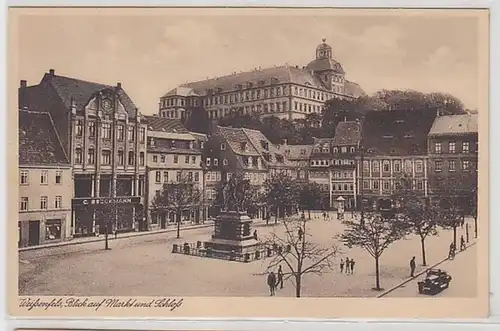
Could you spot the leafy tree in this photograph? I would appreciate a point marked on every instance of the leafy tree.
(303, 256)
(375, 235)
(177, 197)
(281, 194)
(419, 215)
(310, 197)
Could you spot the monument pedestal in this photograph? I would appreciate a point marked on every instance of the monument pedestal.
(233, 233)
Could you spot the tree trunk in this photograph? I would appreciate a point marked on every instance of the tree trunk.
(106, 235)
(377, 274)
(276, 215)
(455, 235)
(309, 212)
(422, 244)
(475, 226)
(298, 285)
(178, 225)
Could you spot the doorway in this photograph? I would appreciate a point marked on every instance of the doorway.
(163, 221)
(34, 233)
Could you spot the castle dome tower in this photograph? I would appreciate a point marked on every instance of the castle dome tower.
(327, 68)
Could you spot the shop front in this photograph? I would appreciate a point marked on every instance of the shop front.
(43, 228)
(91, 216)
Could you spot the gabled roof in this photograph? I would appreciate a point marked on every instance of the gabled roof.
(258, 139)
(170, 125)
(396, 132)
(82, 91)
(353, 89)
(273, 75)
(454, 124)
(39, 143)
(181, 91)
(298, 152)
(347, 133)
(235, 137)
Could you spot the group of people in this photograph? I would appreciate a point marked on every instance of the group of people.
(349, 265)
(274, 281)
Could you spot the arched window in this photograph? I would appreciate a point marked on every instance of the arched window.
(353, 149)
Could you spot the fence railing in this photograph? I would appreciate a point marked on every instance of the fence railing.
(200, 249)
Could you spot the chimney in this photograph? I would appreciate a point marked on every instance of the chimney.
(284, 142)
(73, 106)
(119, 85)
(52, 72)
(22, 103)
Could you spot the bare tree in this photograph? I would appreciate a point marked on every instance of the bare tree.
(297, 252)
(178, 197)
(375, 235)
(419, 214)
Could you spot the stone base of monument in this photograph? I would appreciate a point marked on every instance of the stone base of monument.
(233, 239)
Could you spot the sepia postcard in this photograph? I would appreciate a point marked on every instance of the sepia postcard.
(248, 162)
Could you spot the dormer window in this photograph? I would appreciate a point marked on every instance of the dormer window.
(353, 150)
(191, 145)
(316, 150)
(243, 146)
(335, 150)
(172, 143)
(344, 149)
(223, 146)
(264, 145)
(151, 141)
(302, 152)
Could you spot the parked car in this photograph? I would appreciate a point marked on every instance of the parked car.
(435, 281)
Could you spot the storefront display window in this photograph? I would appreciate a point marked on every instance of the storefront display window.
(53, 229)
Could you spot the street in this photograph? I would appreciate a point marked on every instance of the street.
(461, 269)
(145, 266)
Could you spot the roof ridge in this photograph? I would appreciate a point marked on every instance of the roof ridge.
(81, 80)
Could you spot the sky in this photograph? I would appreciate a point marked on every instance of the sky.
(151, 53)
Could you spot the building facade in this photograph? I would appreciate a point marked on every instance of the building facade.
(343, 175)
(394, 145)
(101, 131)
(284, 91)
(453, 155)
(299, 156)
(174, 155)
(45, 182)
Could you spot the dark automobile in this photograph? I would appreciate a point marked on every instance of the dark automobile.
(435, 281)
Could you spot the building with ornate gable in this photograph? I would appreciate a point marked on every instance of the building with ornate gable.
(284, 91)
(103, 134)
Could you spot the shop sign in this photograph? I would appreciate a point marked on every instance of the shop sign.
(106, 201)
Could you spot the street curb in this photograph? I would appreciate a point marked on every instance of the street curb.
(98, 239)
(420, 273)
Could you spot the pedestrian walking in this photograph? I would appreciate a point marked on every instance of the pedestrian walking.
(300, 233)
(341, 265)
(280, 277)
(352, 265)
(255, 234)
(451, 253)
(347, 265)
(271, 282)
(462, 243)
(115, 233)
(412, 267)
